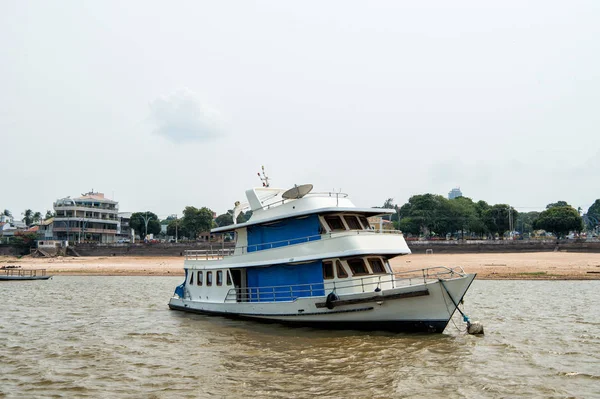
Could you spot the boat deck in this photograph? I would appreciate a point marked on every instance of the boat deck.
(23, 274)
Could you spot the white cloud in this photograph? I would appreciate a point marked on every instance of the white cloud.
(182, 117)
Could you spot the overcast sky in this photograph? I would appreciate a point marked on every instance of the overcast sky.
(166, 104)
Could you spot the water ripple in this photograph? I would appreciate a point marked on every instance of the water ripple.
(115, 337)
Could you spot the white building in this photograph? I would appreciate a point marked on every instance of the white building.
(89, 218)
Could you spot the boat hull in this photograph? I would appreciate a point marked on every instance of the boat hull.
(15, 278)
(424, 307)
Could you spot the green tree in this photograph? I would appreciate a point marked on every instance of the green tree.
(197, 220)
(225, 219)
(409, 225)
(525, 221)
(464, 216)
(49, 215)
(429, 211)
(138, 223)
(247, 216)
(37, 217)
(497, 218)
(28, 217)
(559, 220)
(594, 210)
(7, 213)
(557, 203)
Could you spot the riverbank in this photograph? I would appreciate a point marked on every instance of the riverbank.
(492, 266)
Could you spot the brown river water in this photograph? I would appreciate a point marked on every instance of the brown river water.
(114, 337)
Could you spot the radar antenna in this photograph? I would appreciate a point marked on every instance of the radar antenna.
(264, 177)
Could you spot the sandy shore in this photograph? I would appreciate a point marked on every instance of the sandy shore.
(538, 265)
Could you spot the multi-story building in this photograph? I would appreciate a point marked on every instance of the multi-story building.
(455, 193)
(124, 233)
(89, 218)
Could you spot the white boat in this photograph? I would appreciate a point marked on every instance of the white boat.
(314, 259)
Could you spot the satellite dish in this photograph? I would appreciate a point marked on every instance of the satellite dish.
(297, 191)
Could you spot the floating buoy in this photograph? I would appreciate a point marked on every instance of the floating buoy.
(475, 328)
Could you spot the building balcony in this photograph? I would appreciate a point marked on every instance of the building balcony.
(87, 208)
(82, 219)
(77, 230)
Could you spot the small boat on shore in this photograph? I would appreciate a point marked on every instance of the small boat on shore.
(314, 259)
(16, 273)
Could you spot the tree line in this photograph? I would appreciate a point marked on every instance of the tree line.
(433, 215)
(30, 217)
(194, 222)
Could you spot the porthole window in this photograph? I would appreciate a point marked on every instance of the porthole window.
(208, 278)
(199, 279)
(219, 277)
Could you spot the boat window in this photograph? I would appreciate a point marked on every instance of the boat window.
(199, 279)
(358, 267)
(376, 265)
(228, 278)
(352, 222)
(335, 223)
(341, 272)
(328, 270)
(209, 278)
(219, 277)
(365, 223)
(192, 278)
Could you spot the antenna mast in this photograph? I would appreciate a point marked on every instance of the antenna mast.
(264, 177)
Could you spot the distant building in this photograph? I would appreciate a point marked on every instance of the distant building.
(455, 193)
(123, 229)
(90, 217)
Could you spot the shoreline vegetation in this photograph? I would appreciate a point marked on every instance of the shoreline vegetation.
(488, 266)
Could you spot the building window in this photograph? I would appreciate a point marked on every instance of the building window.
(219, 277)
(352, 222)
(358, 267)
(341, 272)
(334, 223)
(328, 270)
(377, 266)
(365, 223)
(228, 278)
(209, 278)
(199, 279)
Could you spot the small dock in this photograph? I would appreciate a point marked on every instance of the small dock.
(10, 274)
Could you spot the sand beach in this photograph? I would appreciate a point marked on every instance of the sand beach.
(489, 266)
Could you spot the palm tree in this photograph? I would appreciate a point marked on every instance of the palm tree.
(7, 213)
(49, 214)
(37, 217)
(28, 217)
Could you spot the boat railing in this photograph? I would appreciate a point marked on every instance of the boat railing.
(366, 284)
(219, 253)
(16, 272)
(208, 254)
(329, 194)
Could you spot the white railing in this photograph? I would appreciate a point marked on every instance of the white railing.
(370, 283)
(15, 272)
(221, 252)
(337, 196)
(208, 254)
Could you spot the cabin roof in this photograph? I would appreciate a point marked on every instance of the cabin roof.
(364, 211)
